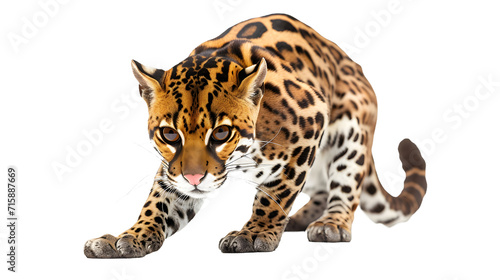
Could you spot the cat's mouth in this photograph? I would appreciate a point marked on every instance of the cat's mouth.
(198, 191)
(207, 186)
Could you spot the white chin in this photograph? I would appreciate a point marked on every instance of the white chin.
(198, 194)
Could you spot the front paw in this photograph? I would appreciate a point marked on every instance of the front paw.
(246, 241)
(108, 246)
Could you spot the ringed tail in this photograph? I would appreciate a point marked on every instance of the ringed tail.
(382, 207)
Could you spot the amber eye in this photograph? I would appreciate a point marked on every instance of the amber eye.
(221, 133)
(169, 135)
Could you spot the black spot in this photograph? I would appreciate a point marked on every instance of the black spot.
(334, 198)
(275, 168)
(147, 204)
(283, 25)
(356, 137)
(274, 52)
(269, 87)
(288, 69)
(190, 214)
(341, 167)
(148, 213)
(339, 155)
(371, 189)
(341, 140)
(346, 189)
(159, 220)
(296, 151)
(162, 207)
(361, 160)
(303, 156)
(264, 201)
(291, 200)
(312, 155)
(284, 194)
(252, 30)
(377, 208)
(170, 222)
(260, 212)
(273, 183)
(273, 110)
(353, 154)
(309, 134)
(286, 132)
(300, 178)
(163, 186)
(290, 111)
(290, 172)
(334, 185)
(320, 120)
(359, 180)
(347, 70)
(351, 132)
(283, 46)
(242, 149)
(223, 75)
(179, 213)
(273, 214)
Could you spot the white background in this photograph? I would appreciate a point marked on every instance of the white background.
(70, 72)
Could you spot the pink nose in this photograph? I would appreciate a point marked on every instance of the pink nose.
(193, 179)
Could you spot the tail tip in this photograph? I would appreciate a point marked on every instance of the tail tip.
(410, 155)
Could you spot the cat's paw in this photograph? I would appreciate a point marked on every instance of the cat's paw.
(246, 241)
(108, 246)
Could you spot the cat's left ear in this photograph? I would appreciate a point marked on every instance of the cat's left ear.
(150, 80)
(251, 81)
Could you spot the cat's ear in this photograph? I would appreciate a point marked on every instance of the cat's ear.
(150, 79)
(252, 81)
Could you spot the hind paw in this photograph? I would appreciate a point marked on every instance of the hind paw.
(246, 241)
(327, 232)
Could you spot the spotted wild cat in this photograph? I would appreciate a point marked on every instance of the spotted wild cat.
(285, 108)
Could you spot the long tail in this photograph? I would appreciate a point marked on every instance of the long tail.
(382, 207)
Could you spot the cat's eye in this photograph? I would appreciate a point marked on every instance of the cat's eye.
(169, 135)
(221, 133)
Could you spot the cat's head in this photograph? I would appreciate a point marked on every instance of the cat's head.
(201, 112)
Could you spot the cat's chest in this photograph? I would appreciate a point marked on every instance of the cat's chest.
(255, 166)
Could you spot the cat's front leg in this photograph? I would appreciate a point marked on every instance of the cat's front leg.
(165, 212)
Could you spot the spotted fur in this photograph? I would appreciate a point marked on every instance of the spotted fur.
(274, 103)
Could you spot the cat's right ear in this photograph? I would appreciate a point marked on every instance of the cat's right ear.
(150, 80)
